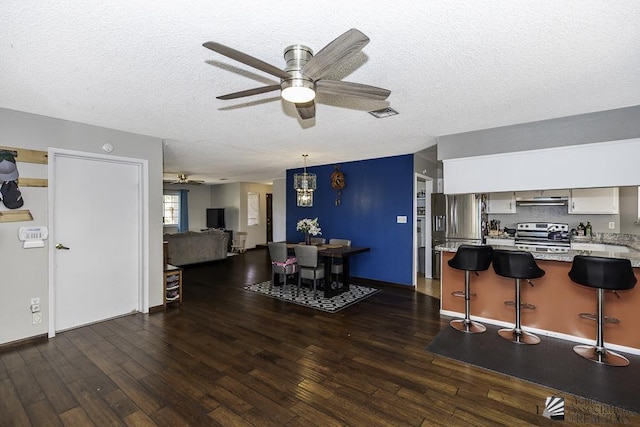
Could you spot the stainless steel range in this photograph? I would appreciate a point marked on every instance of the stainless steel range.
(543, 237)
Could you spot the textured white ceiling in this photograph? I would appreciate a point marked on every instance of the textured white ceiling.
(451, 66)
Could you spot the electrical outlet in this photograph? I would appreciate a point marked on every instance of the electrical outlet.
(36, 318)
(612, 225)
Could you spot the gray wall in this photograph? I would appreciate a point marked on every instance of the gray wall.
(199, 199)
(25, 272)
(612, 125)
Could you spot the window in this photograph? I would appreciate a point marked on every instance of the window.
(253, 209)
(171, 209)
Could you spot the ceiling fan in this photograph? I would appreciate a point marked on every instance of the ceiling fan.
(184, 179)
(304, 73)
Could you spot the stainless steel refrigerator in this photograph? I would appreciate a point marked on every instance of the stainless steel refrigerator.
(458, 218)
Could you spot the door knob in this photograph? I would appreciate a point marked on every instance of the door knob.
(61, 246)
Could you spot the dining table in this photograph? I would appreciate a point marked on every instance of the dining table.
(329, 253)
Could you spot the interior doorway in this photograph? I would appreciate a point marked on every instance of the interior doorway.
(269, 199)
(423, 187)
(97, 235)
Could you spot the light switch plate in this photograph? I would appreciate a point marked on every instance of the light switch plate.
(401, 219)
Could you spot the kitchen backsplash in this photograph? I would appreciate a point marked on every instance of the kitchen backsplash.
(600, 223)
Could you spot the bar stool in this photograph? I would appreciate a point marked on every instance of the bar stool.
(469, 258)
(517, 265)
(601, 273)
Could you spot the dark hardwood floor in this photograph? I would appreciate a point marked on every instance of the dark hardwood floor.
(231, 357)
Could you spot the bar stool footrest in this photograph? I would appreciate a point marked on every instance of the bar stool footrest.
(522, 305)
(594, 317)
(462, 294)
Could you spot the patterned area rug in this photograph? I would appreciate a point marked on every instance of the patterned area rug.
(331, 305)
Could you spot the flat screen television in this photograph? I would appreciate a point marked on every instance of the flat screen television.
(215, 218)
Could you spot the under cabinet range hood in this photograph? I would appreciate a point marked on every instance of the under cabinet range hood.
(542, 200)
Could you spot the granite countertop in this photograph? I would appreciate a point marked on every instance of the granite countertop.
(633, 255)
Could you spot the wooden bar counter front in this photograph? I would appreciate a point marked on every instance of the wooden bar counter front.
(558, 303)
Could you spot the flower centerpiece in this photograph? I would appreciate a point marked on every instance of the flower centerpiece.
(309, 227)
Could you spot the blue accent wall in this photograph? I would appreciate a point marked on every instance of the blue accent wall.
(377, 191)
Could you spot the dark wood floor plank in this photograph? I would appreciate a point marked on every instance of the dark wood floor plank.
(270, 408)
(12, 359)
(63, 367)
(93, 403)
(139, 419)
(55, 390)
(26, 385)
(41, 413)
(11, 408)
(313, 416)
(169, 418)
(226, 417)
(136, 392)
(76, 417)
(189, 404)
(227, 356)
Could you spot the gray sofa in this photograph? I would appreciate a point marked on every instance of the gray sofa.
(192, 247)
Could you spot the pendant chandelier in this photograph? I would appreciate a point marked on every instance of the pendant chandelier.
(304, 184)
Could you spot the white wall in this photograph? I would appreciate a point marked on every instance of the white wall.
(233, 198)
(607, 164)
(227, 196)
(24, 272)
(279, 209)
(257, 234)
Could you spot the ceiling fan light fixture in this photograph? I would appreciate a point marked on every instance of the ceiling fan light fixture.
(298, 91)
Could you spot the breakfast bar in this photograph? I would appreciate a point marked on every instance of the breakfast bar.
(558, 301)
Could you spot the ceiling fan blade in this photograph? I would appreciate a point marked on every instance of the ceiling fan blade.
(306, 110)
(249, 92)
(342, 48)
(334, 87)
(246, 59)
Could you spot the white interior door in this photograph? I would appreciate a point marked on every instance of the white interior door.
(96, 214)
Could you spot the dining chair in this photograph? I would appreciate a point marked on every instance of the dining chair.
(318, 241)
(238, 243)
(337, 267)
(308, 265)
(282, 264)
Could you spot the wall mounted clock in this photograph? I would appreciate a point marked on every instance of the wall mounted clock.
(337, 182)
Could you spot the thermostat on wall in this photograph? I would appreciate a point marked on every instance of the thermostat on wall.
(33, 237)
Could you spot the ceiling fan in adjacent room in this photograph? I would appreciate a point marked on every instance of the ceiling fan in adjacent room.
(304, 73)
(184, 179)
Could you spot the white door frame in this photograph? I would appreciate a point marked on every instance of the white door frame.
(143, 223)
(427, 224)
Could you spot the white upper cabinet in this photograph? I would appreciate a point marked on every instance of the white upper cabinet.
(594, 201)
(501, 203)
